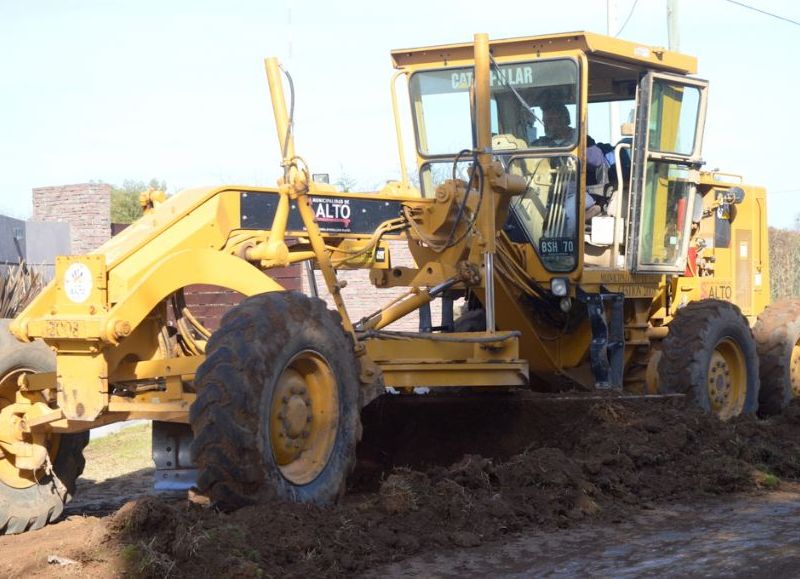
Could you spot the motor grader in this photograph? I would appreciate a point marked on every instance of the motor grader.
(652, 292)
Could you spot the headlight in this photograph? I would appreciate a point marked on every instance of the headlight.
(559, 286)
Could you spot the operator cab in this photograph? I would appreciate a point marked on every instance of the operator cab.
(644, 207)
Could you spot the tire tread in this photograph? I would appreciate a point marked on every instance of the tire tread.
(692, 334)
(225, 416)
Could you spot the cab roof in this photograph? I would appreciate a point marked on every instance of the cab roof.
(596, 46)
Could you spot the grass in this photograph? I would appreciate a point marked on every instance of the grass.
(766, 480)
(117, 454)
(147, 561)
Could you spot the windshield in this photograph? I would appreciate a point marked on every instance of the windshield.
(533, 106)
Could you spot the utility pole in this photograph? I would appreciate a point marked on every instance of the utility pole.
(289, 32)
(673, 34)
(613, 109)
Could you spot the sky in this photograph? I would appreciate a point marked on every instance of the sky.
(113, 90)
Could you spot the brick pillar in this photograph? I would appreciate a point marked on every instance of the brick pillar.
(86, 207)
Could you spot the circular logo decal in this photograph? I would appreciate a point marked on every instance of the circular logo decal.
(78, 282)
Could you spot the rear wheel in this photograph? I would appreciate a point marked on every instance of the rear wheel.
(777, 334)
(710, 355)
(7, 341)
(277, 411)
(29, 500)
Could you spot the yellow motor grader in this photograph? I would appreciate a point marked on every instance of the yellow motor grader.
(581, 265)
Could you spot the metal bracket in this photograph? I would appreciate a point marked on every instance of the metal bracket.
(171, 455)
(608, 337)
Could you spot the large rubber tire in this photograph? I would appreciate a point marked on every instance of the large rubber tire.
(32, 507)
(710, 355)
(278, 361)
(777, 334)
(7, 340)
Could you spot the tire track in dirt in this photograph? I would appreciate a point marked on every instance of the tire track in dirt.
(731, 536)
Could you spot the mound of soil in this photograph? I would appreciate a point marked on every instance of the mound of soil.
(446, 474)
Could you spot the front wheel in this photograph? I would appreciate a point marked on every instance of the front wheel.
(710, 355)
(277, 411)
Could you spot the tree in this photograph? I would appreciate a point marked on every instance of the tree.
(346, 182)
(784, 262)
(125, 207)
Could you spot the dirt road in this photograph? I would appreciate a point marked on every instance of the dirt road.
(739, 536)
(604, 487)
(736, 536)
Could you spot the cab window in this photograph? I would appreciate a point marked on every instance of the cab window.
(674, 111)
(546, 214)
(521, 94)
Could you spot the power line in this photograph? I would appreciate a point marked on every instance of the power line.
(624, 24)
(743, 5)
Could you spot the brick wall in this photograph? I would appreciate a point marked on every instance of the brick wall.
(361, 298)
(86, 207)
(209, 303)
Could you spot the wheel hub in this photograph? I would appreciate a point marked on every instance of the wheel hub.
(304, 417)
(298, 413)
(293, 415)
(719, 383)
(727, 378)
(24, 453)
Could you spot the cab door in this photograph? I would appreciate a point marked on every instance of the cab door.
(665, 171)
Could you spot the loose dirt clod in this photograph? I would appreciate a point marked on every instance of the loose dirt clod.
(144, 516)
(399, 492)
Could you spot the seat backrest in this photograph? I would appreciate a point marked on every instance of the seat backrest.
(507, 142)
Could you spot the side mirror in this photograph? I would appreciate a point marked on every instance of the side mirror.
(726, 199)
(733, 196)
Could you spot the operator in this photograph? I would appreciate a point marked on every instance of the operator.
(559, 133)
(555, 118)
